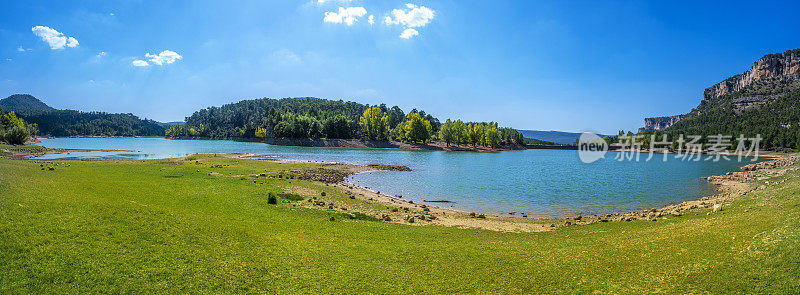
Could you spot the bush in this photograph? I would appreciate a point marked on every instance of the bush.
(272, 199)
(290, 197)
(17, 135)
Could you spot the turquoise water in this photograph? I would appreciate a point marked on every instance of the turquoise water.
(537, 182)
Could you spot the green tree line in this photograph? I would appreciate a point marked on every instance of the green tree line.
(320, 118)
(76, 123)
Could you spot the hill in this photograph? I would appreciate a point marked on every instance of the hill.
(558, 137)
(53, 122)
(18, 102)
(764, 100)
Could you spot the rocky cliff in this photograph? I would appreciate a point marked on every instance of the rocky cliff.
(770, 78)
(767, 70)
(660, 123)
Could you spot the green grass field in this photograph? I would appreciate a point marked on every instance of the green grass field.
(168, 226)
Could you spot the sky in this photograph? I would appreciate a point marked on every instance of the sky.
(545, 65)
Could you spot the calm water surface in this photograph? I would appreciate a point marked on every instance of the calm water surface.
(537, 182)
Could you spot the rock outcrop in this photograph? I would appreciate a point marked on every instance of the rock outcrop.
(770, 68)
(660, 123)
(771, 77)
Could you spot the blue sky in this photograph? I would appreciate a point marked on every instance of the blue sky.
(546, 65)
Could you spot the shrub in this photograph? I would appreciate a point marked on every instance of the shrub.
(272, 199)
(290, 197)
(17, 135)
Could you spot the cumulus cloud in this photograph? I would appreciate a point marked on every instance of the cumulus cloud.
(164, 58)
(55, 39)
(408, 33)
(412, 17)
(20, 49)
(371, 19)
(348, 15)
(101, 54)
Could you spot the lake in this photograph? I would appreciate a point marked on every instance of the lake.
(537, 182)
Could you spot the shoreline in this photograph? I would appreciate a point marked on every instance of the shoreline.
(729, 186)
(335, 142)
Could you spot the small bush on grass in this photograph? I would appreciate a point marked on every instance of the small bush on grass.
(358, 216)
(272, 199)
(290, 197)
(17, 135)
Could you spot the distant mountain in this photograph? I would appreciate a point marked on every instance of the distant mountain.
(18, 102)
(559, 137)
(167, 124)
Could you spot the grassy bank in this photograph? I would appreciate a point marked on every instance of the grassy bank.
(180, 226)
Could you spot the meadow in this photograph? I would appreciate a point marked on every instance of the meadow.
(203, 224)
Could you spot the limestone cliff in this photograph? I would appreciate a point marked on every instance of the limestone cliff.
(770, 78)
(660, 123)
(769, 69)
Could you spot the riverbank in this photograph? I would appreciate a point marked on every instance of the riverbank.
(364, 143)
(26, 151)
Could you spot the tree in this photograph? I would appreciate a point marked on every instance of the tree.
(261, 132)
(416, 128)
(492, 135)
(447, 132)
(374, 124)
(396, 116)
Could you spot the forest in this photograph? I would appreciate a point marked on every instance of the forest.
(76, 123)
(309, 117)
(777, 121)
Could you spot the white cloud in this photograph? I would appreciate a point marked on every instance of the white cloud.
(165, 57)
(55, 39)
(408, 33)
(413, 17)
(371, 19)
(20, 49)
(348, 15)
(111, 13)
(101, 54)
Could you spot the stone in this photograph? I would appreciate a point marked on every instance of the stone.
(717, 208)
